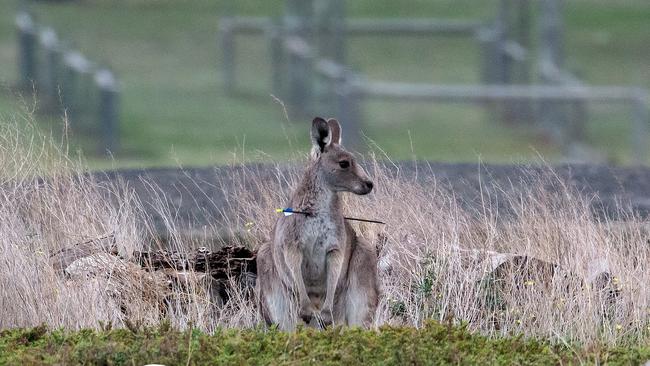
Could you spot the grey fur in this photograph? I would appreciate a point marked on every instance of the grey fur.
(315, 267)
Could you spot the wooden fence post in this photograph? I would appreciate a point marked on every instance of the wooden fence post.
(69, 90)
(50, 78)
(77, 71)
(489, 43)
(501, 64)
(329, 18)
(226, 40)
(26, 50)
(329, 75)
(641, 119)
(108, 112)
(300, 58)
(276, 49)
(298, 24)
(551, 53)
(487, 38)
(522, 111)
(523, 26)
(349, 105)
(502, 28)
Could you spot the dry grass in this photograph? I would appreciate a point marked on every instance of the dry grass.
(436, 255)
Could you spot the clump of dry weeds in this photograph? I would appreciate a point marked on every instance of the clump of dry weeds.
(50, 207)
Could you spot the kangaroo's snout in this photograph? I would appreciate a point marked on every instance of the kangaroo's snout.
(365, 187)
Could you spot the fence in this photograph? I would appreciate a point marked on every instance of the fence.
(310, 72)
(352, 89)
(65, 78)
(296, 85)
(636, 98)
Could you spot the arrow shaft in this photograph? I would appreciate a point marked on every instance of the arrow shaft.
(365, 220)
(291, 211)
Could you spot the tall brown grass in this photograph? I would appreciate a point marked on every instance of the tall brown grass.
(436, 251)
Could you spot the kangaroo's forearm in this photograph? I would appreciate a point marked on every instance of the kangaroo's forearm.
(293, 262)
(334, 269)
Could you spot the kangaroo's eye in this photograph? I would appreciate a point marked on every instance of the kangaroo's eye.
(344, 164)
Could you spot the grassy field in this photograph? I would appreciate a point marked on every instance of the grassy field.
(175, 112)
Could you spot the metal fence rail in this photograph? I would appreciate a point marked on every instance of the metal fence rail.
(635, 98)
(488, 93)
(411, 27)
(365, 26)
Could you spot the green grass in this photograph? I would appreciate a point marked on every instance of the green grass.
(433, 344)
(174, 110)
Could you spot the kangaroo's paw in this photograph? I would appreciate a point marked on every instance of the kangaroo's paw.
(325, 317)
(306, 318)
(306, 312)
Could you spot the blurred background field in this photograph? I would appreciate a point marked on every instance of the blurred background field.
(174, 110)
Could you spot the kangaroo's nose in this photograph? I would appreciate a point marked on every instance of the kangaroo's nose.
(369, 185)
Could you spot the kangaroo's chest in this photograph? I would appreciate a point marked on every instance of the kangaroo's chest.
(319, 236)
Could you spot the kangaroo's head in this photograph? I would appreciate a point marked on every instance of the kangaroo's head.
(336, 166)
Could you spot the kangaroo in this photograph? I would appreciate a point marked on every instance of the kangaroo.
(315, 267)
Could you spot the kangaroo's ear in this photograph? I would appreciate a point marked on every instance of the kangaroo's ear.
(335, 128)
(321, 135)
